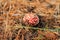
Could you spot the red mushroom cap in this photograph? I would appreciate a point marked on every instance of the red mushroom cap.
(30, 19)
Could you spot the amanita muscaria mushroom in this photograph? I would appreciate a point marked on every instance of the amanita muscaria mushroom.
(30, 19)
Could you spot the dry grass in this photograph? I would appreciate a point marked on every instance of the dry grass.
(12, 12)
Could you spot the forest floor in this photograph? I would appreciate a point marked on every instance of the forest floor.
(11, 15)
